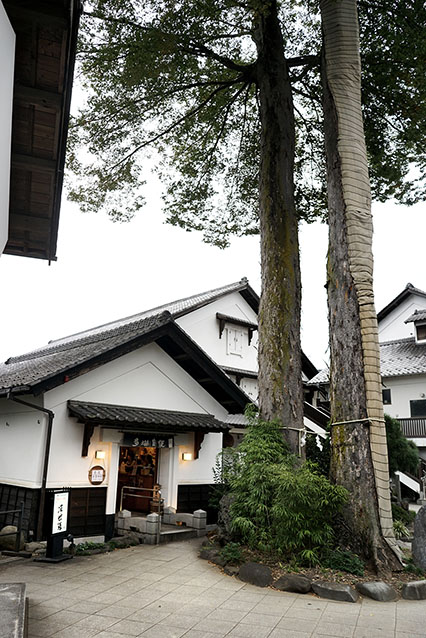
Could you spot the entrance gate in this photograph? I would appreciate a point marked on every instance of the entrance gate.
(138, 467)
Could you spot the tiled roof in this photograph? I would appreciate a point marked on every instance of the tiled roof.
(239, 372)
(418, 315)
(175, 308)
(128, 417)
(401, 357)
(61, 354)
(404, 294)
(27, 370)
(397, 358)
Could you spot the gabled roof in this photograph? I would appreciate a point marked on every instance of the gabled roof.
(46, 45)
(176, 309)
(400, 357)
(408, 290)
(130, 418)
(61, 361)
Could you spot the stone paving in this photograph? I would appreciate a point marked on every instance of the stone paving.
(168, 592)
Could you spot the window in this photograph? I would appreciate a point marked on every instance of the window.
(418, 408)
(421, 332)
(386, 394)
(234, 341)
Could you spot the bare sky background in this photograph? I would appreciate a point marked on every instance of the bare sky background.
(107, 270)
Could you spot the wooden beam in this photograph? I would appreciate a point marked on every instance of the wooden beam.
(198, 441)
(44, 13)
(87, 435)
(38, 97)
(24, 222)
(34, 163)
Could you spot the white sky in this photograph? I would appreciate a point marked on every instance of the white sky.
(107, 270)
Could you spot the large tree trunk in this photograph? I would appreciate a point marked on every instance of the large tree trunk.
(358, 438)
(280, 375)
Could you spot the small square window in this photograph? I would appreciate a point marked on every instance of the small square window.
(386, 394)
(421, 332)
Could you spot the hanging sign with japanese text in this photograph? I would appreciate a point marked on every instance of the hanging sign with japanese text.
(60, 512)
(147, 440)
(97, 474)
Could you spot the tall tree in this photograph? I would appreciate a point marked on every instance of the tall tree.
(229, 94)
(210, 86)
(359, 458)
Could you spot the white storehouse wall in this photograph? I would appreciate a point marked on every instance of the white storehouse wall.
(403, 390)
(147, 377)
(393, 327)
(203, 327)
(23, 434)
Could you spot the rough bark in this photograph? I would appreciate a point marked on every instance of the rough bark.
(280, 375)
(359, 452)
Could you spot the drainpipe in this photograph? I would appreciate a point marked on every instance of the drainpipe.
(50, 417)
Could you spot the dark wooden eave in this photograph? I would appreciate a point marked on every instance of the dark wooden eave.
(46, 41)
(235, 321)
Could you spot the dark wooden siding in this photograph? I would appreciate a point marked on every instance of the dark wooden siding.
(11, 497)
(196, 497)
(87, 511)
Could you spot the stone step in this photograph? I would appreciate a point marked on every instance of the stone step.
(176, 534)
(13, 610)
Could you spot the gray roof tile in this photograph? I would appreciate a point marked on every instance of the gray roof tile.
(418, 315)
(61, 354)
(128, 417)
(397, 358)
(27, 370)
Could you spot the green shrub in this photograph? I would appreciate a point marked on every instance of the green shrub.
(88, 546)
(400, 530)
(319, 456)
(344, 561)
(400, 514)
(232, 553)
(278, 503)
(411, 568)
(403, 455)
(226, 466)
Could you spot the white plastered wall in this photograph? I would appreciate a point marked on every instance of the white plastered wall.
(393, 327)
(403, 390)
(22, 443)
(147, 378)
(203, 327)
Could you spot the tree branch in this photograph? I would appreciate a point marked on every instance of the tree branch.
(219, 135)
(301, 60)
(170, 128)
(197, 48)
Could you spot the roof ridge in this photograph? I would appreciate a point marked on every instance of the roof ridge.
(69, 341)
(242, 282)
(163, 317)
(402, 340)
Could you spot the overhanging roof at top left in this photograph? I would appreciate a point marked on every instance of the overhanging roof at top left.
(46, 44)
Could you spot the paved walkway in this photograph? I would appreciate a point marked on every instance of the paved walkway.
(167, 592)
